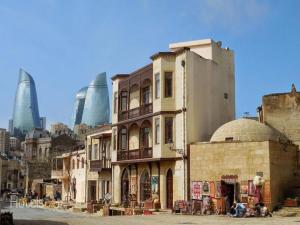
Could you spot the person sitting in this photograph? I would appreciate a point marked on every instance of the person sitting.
(240, 210)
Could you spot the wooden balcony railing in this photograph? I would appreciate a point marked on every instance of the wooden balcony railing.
(98, 165)
(59, 174)
(135, 154)
(132, 113)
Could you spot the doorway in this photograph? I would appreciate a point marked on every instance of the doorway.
(124, 186)
(228, 192)
(145, 186)
(92, 190)
(169, 189)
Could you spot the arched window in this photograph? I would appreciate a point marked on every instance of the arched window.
(73, 164)
(82, 162)
(78, 162)
(40, 153)
(123, 102)
(145, 186)
(123, 139)
(124, 186)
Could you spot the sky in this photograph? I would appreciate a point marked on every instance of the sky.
(64, 44)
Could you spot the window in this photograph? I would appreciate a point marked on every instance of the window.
(82, 162)
(90, 152)
(78, 163)
(168, 129)
(145, 137)
(73, 164)
(95, 152)
(123, 101)
(157, 130)
(168, 84)
(157, 86)
(40, 153)
(103, 188)
(115, 102)
(114, 139)
(123, 139)
(146, 95)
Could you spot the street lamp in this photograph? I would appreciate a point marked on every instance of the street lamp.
(171, 148)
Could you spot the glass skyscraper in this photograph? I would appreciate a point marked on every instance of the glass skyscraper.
(79, 106)
(96, 107)
(26, 111)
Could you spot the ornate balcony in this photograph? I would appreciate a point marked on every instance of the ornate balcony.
(98, 165)
(136, 112)
(59, 174)
(135, 154)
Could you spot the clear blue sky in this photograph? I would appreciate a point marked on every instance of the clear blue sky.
(63, 44)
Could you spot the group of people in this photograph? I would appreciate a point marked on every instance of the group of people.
(240, 210)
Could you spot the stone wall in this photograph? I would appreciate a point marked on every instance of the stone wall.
(209, 161)
(282, 112)
(283, 167)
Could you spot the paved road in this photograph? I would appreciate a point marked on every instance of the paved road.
(30, 216)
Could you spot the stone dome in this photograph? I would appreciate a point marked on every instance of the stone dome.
(245, 130)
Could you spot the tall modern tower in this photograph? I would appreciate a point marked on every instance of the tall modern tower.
(26, 111)
(78, 107)
(96, 107)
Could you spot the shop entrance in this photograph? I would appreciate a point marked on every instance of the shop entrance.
(145, 186)
(228, 190)
(124, 187)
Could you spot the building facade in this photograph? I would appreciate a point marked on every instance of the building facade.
(86, 174)
(181, 97)
(238, 152)
(282, 112)
(4, 141)
(98, 150)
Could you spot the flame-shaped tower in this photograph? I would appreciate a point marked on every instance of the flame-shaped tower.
(96, 107)
(26, 111)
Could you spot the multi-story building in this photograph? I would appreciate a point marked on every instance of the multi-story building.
(70, 170)
(98, 146)
(14, 144)
(86, 174)
(39, 148)
(4, 141)
(182, 97)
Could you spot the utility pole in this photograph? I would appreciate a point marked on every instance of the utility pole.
(0, 186)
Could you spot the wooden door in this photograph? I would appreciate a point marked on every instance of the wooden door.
(169, 189)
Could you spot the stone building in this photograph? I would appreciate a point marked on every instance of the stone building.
(181, 97)
(70, 170)
(99, 172)
(39, 148)
(59, 129)
(282, 112)
(86, 174)
(237, 152)
(4, 141)
(15, 144)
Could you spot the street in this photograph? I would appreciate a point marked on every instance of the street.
(40, 216)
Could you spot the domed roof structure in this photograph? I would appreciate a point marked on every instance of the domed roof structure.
(245, 130)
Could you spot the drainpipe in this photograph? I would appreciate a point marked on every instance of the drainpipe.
(184, 127)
